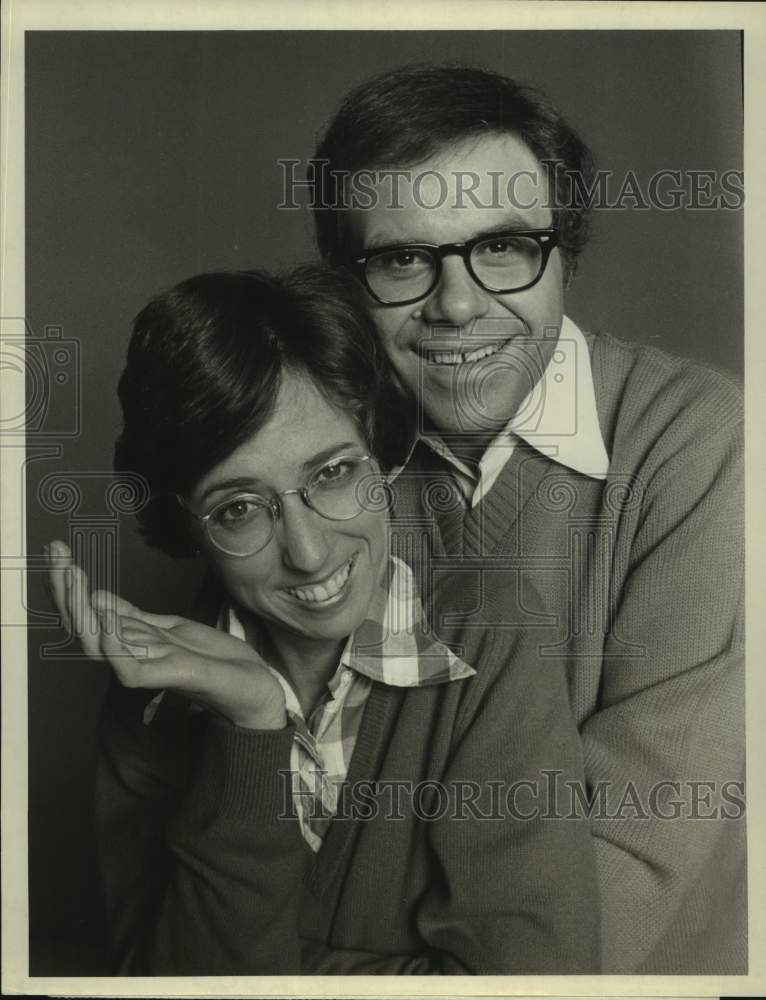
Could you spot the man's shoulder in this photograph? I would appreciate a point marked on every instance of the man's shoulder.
(624, 364)
(644, 390)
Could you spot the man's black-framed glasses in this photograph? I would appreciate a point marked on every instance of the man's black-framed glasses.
(243, 524)
(502, 262)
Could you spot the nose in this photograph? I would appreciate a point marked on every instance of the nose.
(302, 535)
(457, 300)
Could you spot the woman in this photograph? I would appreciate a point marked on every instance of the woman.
(342, 802)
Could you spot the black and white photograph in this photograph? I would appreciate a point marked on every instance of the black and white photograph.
(377, 459)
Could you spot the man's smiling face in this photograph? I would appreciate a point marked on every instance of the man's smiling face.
(470, 356)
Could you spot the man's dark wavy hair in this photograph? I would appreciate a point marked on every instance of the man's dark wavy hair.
(204, 367)
(405, 116)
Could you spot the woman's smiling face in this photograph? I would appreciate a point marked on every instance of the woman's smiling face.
(316, 577)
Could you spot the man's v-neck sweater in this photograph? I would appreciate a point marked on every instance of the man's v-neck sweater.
(642, 576)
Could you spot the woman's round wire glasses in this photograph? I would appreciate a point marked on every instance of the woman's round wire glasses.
(504, 262)
(244, 524)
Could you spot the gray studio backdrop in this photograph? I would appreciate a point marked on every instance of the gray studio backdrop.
(153, 156)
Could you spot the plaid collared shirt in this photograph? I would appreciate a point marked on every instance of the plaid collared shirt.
(392, 646)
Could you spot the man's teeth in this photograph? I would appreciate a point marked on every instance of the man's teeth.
(323, 591)
(461, 357)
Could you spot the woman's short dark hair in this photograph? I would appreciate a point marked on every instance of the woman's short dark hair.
(407, 115)
(204, 367)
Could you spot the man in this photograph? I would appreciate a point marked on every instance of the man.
(605, 475)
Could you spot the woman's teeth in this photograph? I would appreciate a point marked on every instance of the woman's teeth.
(323, 591)
(463, 357)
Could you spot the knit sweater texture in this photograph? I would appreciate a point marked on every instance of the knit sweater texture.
(642, 576)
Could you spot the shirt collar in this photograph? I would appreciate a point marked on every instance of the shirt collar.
(394, 646)
(558, 417)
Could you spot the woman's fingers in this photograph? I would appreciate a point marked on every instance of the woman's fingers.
(105, 600)
(145, 640)
(85, 623)
(69, 588)
(59, 562)
(142, 641)
(145, 650)
(139, 655)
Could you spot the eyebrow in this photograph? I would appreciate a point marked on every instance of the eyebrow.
(252, 483)
(514, 222)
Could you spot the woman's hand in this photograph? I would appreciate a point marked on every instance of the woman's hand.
(166, 651)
